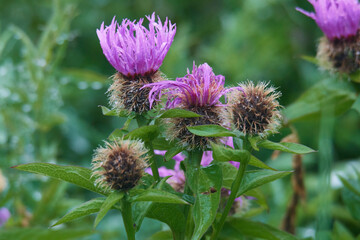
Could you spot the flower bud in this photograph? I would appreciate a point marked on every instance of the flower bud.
(120, 164)
(255, 110)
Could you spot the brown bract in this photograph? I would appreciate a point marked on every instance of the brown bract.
(210, 115)
(120, 164)
(255, 110)
(340, 54)
(126, 93)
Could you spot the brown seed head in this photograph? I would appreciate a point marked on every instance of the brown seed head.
(120, 164)
(340, 54)
(211, 115)
(254, 111)
(126, 93)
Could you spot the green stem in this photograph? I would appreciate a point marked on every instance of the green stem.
(234, 190)
(192, 164)
(153, 163)
(127, 218)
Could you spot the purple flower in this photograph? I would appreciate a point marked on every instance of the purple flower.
(200, 88)
(4, 216)
(132, 49)
(336, 18)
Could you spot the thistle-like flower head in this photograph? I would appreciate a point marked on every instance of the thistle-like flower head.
(120, 164)
(134, 50)
(336, 18)
(256, 110)
(200, 88)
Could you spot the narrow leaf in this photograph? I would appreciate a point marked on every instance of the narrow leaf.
(157, 195)
(257, 178)
(172, 152)
(179, 113)
(85, 209)
(285, 147)
(77, 175)
(225, 154)
(258, 230)
(110, 201)
(211, 131)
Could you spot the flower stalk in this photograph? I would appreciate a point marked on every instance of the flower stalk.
(127, 218)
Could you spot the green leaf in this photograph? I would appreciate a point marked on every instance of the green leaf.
(44, 233)
(310, 59)
(160, 143)
(258, 230)
(77, 175)
(228, 172)
(110, 201)
(211, 131)
(257, 178)
(351, 197)
(207, 200)
(340, 95)
(258, 163)
(179, 113)
(171, 214)
(146, 133)
(285, 147)
(118, 133)
(108, 112)
(340, 232)
(224, 154)
(156, 195)
(172, 152)
(85, 209)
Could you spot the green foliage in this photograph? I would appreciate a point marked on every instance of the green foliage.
(72, 174)
(178, 113)
(210, 131)
(109, 202)
(156, 195)
(289, 147)
(44, 234)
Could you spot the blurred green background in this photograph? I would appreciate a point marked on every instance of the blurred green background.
(53, 77)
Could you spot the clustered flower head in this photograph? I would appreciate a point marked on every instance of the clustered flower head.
(255, 111)
(120, 164)
(199, 91)
(339, 20)
(336, 18)
(137, 53)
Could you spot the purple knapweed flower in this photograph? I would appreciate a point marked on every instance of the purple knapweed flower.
(200, 88)
(336, 18)
(132, 49)
(4, 215)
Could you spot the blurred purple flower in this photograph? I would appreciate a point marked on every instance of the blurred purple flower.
(336, 18)
(199, 88)
(132, 49)
(4, 215)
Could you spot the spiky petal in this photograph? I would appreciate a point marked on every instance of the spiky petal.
(200, 88)
(132, 49)
(336, 18)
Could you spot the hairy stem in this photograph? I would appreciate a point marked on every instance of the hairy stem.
(127, 218)
(153, 164)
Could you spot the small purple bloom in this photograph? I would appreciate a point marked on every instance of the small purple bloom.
(199, 88)
(4, 215)
(336, 18)
(132, 49)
